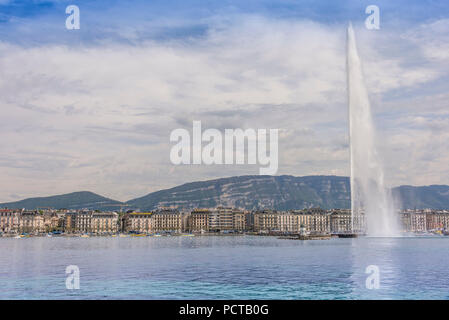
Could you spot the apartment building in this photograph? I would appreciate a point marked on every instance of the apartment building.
(220, 219)
(239, 220)
(69, 221)
(94, 222)
(310, 220)
(138, 222)
(266, 221)
(104, 222)
(437, 220)
(319, 220)
(167, 220)
(414, 221)
(227, 219)
(288, 222)
(9, 220)
(31, 222)
(199, 220)
(340, 220)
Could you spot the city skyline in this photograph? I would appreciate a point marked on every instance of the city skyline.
(215, 220)
(92, 109)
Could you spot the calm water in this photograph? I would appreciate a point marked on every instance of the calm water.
(237, 267)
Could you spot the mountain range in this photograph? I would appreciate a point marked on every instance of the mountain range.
(248, 192)
(74, 200)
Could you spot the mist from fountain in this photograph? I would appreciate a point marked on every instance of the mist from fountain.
(368, 191)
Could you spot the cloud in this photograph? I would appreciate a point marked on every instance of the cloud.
(98, 116)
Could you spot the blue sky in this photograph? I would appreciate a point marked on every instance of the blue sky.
(43, 21)
(92, 109)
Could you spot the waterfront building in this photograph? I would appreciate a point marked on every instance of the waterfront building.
(61, 219)
(31, 222)
(227, 219)
(291, 222)
(26, 221)
(405, 223)
(199, 220)
(437, 220)
(95, 222)
(82, 222)
(340, 220)
(313, 221)
(223, 220)
(320, 220)
(414, 220)
(69, 221)
(266, 221)
(104, 222)
(288, 222)
(305, 219)
(220, 219)
(9, 220)
(249, 220)
(51, 221)
(239, 220)
(137, 222)
(167, 220)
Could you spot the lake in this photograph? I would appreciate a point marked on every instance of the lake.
(224, 267)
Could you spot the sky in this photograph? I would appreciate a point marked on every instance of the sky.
(93, 109)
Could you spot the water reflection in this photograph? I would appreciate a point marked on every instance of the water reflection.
(234, 267)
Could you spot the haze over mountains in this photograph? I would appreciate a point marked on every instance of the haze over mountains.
(249, 192)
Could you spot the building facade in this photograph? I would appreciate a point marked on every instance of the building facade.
(266, 221)
(93, 222)
(341, 221)
(9, 220)
(167, 220)
(220, 219)
(31, 222)
(413, 221)
(199, 220)
(437, 221)
(104, 222)
(138, 222)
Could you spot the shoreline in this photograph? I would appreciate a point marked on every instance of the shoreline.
(281, 236)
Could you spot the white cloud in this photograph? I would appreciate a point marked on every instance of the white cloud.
(99, 117)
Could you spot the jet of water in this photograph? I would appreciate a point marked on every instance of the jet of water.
(368, 191)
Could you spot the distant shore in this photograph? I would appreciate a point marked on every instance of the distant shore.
(121, 235)
(286, 236)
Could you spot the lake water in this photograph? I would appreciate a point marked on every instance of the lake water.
(227, 267)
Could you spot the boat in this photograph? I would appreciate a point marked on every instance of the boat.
(84, 236)
(347, 235)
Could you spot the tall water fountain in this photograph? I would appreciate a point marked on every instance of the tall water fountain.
(368, 191)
